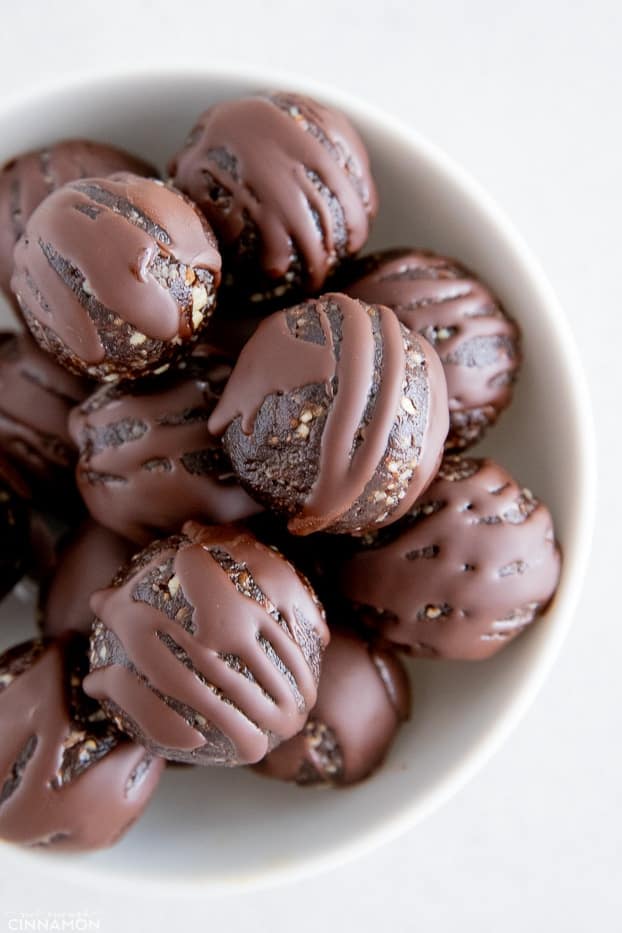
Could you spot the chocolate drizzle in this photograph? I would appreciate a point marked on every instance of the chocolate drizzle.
(27, 179)
(292, 170)
(472, 564)
(106, 262)
(363, 698)
(360, 355)
(247, 629)
(147, 460)
(477, 342)
(65, 779)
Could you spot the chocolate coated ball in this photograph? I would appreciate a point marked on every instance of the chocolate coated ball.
(116, 275)
(207, 649)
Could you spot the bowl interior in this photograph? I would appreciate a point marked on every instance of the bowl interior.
(215, 828)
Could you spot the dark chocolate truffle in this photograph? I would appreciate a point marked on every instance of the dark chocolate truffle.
(28, 178)
(286, 184)
(208, 648)
(36, 396)
(116, 275)
(477, 342)
(68, 778)
(335, 414)
(472, 565)
(363, 697)
(14, 527)
(147, 460)
(89, 559)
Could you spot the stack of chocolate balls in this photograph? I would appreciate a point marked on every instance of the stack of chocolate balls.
(231, 455)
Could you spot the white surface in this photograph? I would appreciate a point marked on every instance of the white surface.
(528, 100)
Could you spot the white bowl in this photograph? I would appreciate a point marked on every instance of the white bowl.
(210, 829)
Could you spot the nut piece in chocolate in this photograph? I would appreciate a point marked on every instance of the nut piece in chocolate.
(467, 570)
(286, 184)
(363, 697)
(68, 779)
(335, 415)
(147, 460)
(116, 275)
(207, 650)
(27, 179)
(477, 342)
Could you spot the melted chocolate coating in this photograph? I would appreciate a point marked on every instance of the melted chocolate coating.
(477, 342)
(14, 527)
(88, 560)
(115, 275)
(335, 415)
(28, 178)
(363, 697)
(147, 460)
(286, 184)
(68, 779)
(472, 564)
(36, 396)
(208, 648)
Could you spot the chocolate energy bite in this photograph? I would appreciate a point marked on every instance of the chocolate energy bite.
(68, 779)
(88, 560)
(286, 184)
(116, 275)
(36, 396)
(335, 415)
(477, 342)
(28, 178)
(363, 697)
(14, 527)
(147, 460)
(207, 649)
(470, 566)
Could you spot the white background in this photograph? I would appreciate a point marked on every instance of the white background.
(528, 96)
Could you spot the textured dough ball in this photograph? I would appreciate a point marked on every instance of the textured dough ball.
(334, 415)
(68, 778)
(27, 179)
(147, 460)
(466, 571)
(286, 184)
(116, 276)
(88, 559)
(208, 648)
(363, 697)
(479, 345)
(36, 396)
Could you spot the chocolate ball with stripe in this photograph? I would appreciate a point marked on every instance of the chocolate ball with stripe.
(363, 698)
(286, 183)
(478, 343)
(14, 527)
(116, 276)
(69, 780)
(208, 648)
(147, 460)
(27, 179)
(36, 396)
(473, 564)
(335, 415)
(88, 558)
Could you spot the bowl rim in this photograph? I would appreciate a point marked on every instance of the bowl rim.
(363, 841)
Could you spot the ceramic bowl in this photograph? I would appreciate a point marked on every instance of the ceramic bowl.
(210, 829)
